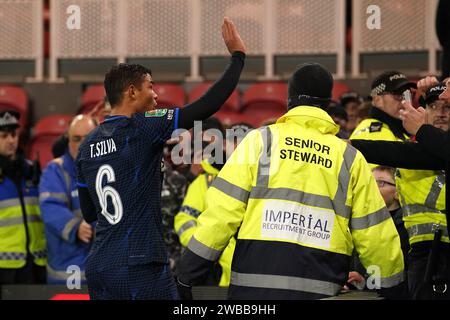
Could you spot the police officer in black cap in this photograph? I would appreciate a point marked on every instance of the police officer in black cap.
(22, 245)
(384, 122)
(9, 122)
(428, 274)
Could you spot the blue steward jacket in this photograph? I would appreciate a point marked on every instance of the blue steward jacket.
(61, 213)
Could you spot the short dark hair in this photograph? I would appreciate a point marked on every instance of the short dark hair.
(120, 77)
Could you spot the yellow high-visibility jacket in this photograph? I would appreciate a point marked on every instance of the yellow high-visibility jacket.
(194, 204)
(422, 197)
(376, 130)
(20, 219)
(300, 200)
(422, 192)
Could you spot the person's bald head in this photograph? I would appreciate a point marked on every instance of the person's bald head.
(79, 128)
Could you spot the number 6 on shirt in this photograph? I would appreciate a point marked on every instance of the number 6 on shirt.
(104, 192)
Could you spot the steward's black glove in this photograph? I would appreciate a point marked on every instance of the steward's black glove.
(184, 291)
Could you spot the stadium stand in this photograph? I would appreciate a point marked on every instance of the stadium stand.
(46, 131)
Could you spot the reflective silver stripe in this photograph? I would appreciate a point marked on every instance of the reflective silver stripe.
(424, 229)
(68, 227)
(435, 190)
(291, 195)
(284, 282)
(203, 251)
(68, 187)
(230, 189)
(19, 220)
(411, 209)
(31, 201)
(11, 222)
(78, 213)
(391, 281)
(262, 179)
(9, 203)
(56, 195)
(185, 226)
(370, 220)
(62, 275)
(67, 179)
(340, 198)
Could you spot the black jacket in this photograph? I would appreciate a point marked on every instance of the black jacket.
(443, 22)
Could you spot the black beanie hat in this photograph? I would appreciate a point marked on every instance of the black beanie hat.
(311, 85)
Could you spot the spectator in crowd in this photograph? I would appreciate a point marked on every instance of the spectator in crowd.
(364, 111)
(385, 178)
(265, 191)
(195, 203)
(22, 240)
(172, 194)
(339, 116)
(423, 194)
(351, 101)
(98, 113)
(69, 237)
(185, 222)
(443, 34)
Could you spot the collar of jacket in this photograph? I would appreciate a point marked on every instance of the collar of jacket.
(311, 117)
(395, 125)
(13, 169)
(208, 167)
(69, 163)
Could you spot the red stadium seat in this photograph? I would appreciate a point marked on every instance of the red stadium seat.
(264, 101)
(169, 95)
(228, 118)
(46, 131)
(266, 93)
(339, 89)
(232, 104)
(93, 95)
(15, 98)
(257, 117)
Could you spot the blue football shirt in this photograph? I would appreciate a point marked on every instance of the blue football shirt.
(120, 163)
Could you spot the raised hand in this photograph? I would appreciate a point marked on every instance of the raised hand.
(424, 84)
(412, 118)
(231, 37)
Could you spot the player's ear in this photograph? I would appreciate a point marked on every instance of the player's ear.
(377, 101)
(131, 92)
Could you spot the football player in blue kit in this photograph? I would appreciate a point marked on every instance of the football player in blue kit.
(119, 178)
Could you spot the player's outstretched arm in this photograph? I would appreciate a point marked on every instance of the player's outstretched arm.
(216, 96)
